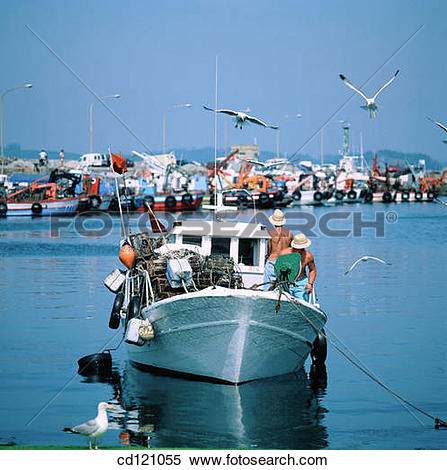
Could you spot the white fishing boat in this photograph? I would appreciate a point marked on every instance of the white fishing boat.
(190, 305)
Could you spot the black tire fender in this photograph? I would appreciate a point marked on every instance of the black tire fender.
(296, 195)
(114, 321)
(387, 197)
(352, 195)
(170, 202)
(36, 208)
(339, 195)
(95, 201)
(133, 309)
(319, 349)
(318, 196)
(3, 208)
(187, 199)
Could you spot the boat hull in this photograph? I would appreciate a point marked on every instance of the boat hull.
(66, 206)
(228, 335)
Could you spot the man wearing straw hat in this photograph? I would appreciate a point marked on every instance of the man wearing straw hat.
(280, 240)
(304, 282)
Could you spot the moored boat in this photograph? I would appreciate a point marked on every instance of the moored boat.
(191, 306)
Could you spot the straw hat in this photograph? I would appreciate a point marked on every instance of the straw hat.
(278, 218)
(300, 241)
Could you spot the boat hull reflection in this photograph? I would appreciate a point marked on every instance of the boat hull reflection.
(280, 412)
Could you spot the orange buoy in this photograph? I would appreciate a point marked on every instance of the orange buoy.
(127, 255)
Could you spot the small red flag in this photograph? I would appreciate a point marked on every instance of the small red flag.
(156, 225)
(118, 163)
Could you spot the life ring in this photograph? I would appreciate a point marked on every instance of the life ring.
(319, 349)
(418, 196)
(114, 321)
(36, 208)
(263, 200)
(405, 196)
(187, 199)
(242, 198)
(318, 196)
(170, 202)
(352, 195)
(339, 195)
(296, 194)
(431, 195)
(386, 197)
(368, 196)
(3, 209)
(95, 201)
(149, 201)
(133, 309)
(146, 173)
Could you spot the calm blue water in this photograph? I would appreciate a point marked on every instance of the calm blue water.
(54, 309)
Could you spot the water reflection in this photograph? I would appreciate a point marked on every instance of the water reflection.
(281, 412)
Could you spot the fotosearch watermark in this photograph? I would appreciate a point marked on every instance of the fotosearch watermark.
(331, 224)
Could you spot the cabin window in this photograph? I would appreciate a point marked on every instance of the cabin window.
(171, 239)
(220, 246)
(192, 240)
(248, 251)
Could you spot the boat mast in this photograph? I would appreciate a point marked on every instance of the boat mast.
(215, 134)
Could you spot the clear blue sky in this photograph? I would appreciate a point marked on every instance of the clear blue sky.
(276, 58)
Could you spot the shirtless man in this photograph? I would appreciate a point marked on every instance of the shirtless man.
(280, 239)
(304, 283)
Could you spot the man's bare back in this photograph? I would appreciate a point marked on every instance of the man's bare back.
(280, 240)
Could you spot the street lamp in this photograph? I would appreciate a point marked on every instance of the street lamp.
(91, 116)
(187, 105)
(341, 121)
(27, 85)
(287, 116)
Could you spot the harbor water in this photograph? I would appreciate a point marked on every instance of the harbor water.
(54, 309)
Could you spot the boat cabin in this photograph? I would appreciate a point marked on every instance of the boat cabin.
(245, 243)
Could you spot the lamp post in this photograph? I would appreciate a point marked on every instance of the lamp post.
(341, 121)
(27, 85)
(91, 117)
(177, 106)
(287, 116)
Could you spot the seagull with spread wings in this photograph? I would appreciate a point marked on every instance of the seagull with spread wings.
(366, 258)
(240, 117)
(370, 102)
(444, 128)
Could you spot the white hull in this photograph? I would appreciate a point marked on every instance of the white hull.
(228, 335)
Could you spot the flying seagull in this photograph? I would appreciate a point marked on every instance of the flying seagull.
(94, 427)
(366, 258)
(240, 117)
(370, 102)
(444, 128)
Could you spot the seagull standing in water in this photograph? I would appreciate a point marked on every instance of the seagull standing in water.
(366, 258)
(240, 117)
(370, 102)
(93, 428)
(444, 128)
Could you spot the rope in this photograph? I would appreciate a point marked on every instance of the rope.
(438, 422)
(440, 202)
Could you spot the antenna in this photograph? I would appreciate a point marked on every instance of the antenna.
(215, 135)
